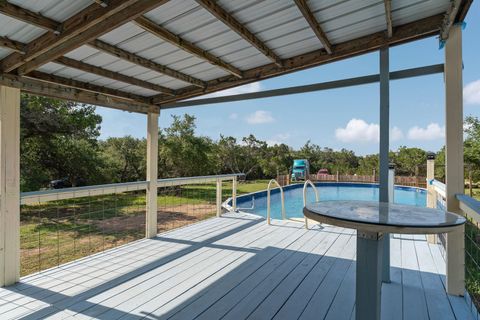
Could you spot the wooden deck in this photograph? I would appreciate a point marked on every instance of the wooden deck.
(235, 267)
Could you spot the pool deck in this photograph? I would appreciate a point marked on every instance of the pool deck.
(235, 267)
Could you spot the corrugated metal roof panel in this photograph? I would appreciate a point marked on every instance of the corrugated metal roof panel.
(5, 52)
(58, 10)
(18, 30)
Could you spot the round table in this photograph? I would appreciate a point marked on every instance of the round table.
(373, 219)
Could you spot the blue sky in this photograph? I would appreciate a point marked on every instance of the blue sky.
(340, 118)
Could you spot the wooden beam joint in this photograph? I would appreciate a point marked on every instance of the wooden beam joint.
(314, 25)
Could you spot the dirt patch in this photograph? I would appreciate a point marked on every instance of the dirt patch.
(168, 217)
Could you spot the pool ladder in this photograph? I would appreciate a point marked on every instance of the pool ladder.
(268, 199)
(305, 185)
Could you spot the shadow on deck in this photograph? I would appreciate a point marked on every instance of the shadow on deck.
(235, 267)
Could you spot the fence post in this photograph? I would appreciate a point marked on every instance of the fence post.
(431, 196)
(152, 175)
(337, 176)
(9, 185)
(234, 193)
(219, 197)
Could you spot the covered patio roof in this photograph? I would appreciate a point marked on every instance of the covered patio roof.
(136, 55)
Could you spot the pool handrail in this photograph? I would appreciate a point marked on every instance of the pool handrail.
(305, 185)
(268, 199)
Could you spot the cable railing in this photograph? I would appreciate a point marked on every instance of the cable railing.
(268, 199)
(471, 211)
(62, 225)
(317, 198)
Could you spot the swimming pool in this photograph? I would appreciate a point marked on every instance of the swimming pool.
(327, 191)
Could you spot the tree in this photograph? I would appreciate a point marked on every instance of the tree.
(181, 152)
(58, 140)
(124, 158)
(410, 161)
(472, 145)
(277, 160)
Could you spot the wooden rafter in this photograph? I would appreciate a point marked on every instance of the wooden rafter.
(29, 17)
(408, 32)
(12, 44)
(449, 18)
(81, 28)
(314, 25)
(37, 87)
(185, 45)
(240, 29)
(85, 86)
(138, 60)
(388, 17)
(112, 75)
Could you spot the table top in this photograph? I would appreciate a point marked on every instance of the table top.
(374, 216)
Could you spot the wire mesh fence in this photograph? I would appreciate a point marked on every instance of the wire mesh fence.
(472, 260)
(56, 232)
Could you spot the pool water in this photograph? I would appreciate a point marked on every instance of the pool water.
(327, 191)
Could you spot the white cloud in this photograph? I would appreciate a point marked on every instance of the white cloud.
(233, 116)
(471, 93)
(357, 130)
(260, 117)
(278, 139)
(247, 88)
(396, 134)
(432, 132)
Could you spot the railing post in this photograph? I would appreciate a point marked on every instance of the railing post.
(219, 197)
(9, 185)
(454, 180)
(152, 175)
(234, 193)
(431, 193)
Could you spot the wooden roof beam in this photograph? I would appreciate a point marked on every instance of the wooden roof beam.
(405, 33)
(185, 45)
(12, 44)
(388, 17)
(240, 29)
(86, 86)
(449, 18)
(314, 25)
(138, 60)
(79, 29)
(37, 87)
(29, 17)
(112, 75)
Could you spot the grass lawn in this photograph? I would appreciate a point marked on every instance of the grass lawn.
(61, 231)
(476, 193)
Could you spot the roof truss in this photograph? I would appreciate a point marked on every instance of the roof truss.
(29, 17)
(308, 15)
(240, 29)
(185, 45)
(112, 75)
(415, 30)
(83, 27)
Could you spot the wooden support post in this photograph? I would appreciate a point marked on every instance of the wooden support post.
(431, 193)
(219, 197)
(234, 193)
(9, 185)
(152, 174)
(454, 179)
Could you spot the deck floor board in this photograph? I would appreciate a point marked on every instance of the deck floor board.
(235, 267)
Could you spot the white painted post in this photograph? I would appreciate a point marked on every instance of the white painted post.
(234, 193)
(431, 193)
(152, 174)
(454, 179)
(9, 185)
(219, 197)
